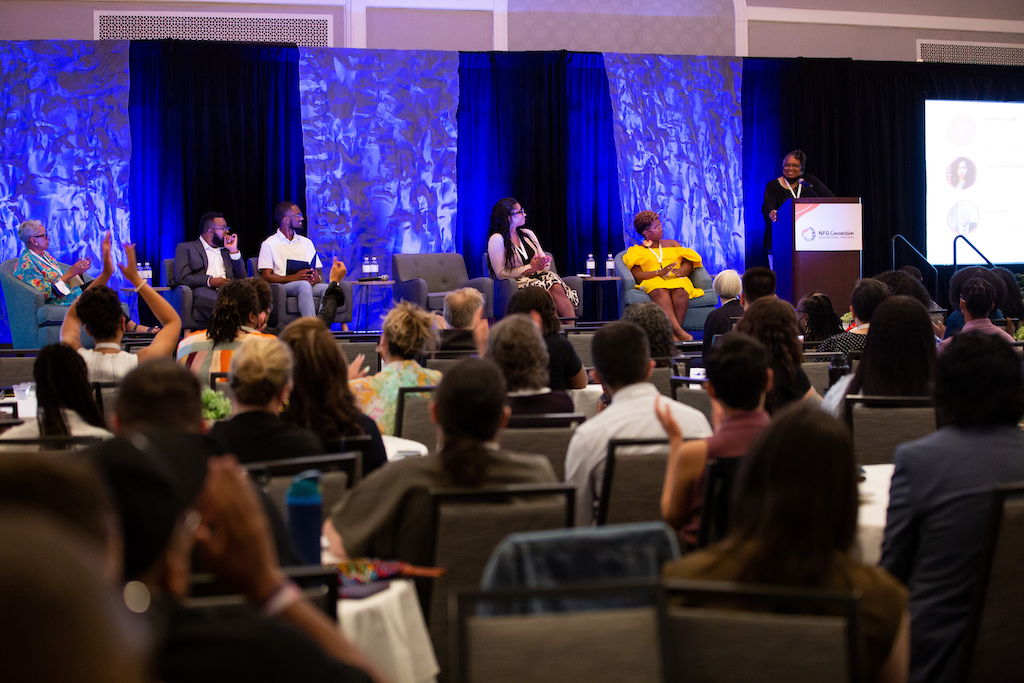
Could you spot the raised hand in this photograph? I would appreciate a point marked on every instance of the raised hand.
(356, 368)
(130, 268)
(338, 271)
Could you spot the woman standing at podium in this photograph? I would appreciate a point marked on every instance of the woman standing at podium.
(793, 183)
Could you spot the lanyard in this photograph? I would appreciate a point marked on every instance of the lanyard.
(660, 255)
(799, 189)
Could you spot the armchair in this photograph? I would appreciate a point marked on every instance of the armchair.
(504, 289)
(286, 308)
(181, 299)
(425, 279)
(33, 322)
(699, 309)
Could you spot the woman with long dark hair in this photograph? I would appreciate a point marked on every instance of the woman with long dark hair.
(773, 323)
(66, 406)
(321, 400)
(514, 253)
(381, 518)
(565, 369)
(817, 318)
(899, 355)
(794, 522)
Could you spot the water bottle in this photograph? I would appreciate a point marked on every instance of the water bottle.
(374, 267)
(609, 266)
(837, 367)
(147, 272)
(305, 514)
(366, 266)
(591, 266)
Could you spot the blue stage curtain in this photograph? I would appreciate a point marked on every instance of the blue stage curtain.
(64, 148)
(215, 127)
(679, 134)
(538, 126)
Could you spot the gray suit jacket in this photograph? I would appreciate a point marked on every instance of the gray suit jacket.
(190, 264)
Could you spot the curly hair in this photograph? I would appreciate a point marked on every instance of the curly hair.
(516, 347)
(960, 278)
(264, 294)
(979, 297)
(260, 370)
(236, 305)
(899, 352)
(62, 382)
(905, 284)
(99, 309)
(654, 322)
(773, 323)
(822, 321)
(1012, 305)
(530, 299)
(321, 400)
(643, 220)
(409, 331)
(470, 403)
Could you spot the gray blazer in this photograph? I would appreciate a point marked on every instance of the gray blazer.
(190, 264)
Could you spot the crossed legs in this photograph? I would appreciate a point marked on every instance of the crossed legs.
(562, 304)
(674, 302)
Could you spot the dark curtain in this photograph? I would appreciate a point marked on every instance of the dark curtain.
(862, 126)
(215, 127)
(538, 126)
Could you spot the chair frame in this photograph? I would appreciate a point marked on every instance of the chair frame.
(609, 472)
(348, 462)
(400, 403)
(319, 585)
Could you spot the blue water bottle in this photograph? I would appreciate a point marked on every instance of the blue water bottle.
(305, 514)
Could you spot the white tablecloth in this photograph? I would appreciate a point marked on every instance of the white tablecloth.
(874, 496)
(389, 627)
(398, 448)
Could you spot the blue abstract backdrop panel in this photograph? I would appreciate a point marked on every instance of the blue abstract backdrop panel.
(380, 138)
(678, 137)
(64, 147)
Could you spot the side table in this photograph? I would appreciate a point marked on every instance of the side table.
(135, 302)
(598, 285)
(364, 300)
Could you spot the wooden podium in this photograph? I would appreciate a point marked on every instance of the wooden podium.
(816, 245)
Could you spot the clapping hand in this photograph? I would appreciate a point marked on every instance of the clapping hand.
(80, 266)
(108, 264)
(539, 262)
(130, 268)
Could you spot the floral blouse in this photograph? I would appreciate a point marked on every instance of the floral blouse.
(41, 271)
(377, 395)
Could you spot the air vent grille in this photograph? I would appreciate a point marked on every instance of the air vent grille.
(970, 53)
(306, 30)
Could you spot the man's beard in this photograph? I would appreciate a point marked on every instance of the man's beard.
(216, 240)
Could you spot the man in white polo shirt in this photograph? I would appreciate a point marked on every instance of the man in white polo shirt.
(288, 245)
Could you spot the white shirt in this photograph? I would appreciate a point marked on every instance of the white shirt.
(630, 416)
(108, 367)
(276, 250)
(214, 261)
(833, 401)
(76, 427)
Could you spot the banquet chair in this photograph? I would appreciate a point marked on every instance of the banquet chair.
(339, 472)
(719, 476)
(661, 378)
(605, 645)
(767, 633)
(881, 423)
(992, 645)
(581, 341)
(285, 309)
(633, 476)
(106, 398)
(319, 585)
(51, 443)
(16, 366)
(467, 524)
(691, 392)
(546, 434)
(425, 280)
(351, 349)
(412, 415)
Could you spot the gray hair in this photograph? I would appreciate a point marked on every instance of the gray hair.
(461, 305)
(516, 346)
(728, 284)
(27, 230)
(649, 316)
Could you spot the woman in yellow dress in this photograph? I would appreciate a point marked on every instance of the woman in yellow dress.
(661, 268)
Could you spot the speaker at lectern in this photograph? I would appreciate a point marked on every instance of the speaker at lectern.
(816, 246)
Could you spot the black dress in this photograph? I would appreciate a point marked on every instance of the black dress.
(257, 436)
(775, 195)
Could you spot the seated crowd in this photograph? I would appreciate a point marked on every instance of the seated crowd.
(164, 485)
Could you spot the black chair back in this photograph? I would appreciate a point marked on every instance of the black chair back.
(318, 584)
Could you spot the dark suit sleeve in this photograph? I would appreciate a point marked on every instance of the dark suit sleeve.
(899, 544)
(189, 265)
(235, 267)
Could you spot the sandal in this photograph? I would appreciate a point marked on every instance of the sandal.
(135, 328)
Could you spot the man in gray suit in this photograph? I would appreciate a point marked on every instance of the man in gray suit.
(208, 263)
(941, 495)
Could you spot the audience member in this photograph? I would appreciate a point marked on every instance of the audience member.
(652, 320)
(728, 286)
(758, 282)
(955, 320)
(1012, 305)
(623, 367)
(462, 310)
(772, 322)
(66, 406)
(793, 523)
(382, 516)
(738, 381)
(408, 332)
(234, 320)
(99, 310)
(516, 347)
(977, 301)
(208, 263)
(902, 283)
(289, 259)
(261, 383)
(321, 400)
(941, 495)
(817, 318)
(565, 369)
(899, 356)
(864, 299)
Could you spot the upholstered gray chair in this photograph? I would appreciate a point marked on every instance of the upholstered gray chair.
(33, 322)
(699, 308)
(180, 298)
(286, 308)
(425, 279)
(504, 289)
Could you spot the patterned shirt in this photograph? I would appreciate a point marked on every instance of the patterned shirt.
(197, 353)
(41, 271)
(377, 395)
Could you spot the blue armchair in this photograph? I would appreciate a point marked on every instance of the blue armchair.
(425, 279)
(699, 308)
(34, 323)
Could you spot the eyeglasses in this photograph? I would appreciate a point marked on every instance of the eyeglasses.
(520, 211)
(42, 235)
(791, 166)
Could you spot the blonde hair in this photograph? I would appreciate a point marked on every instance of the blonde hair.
(260, 368)
(409, 331)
